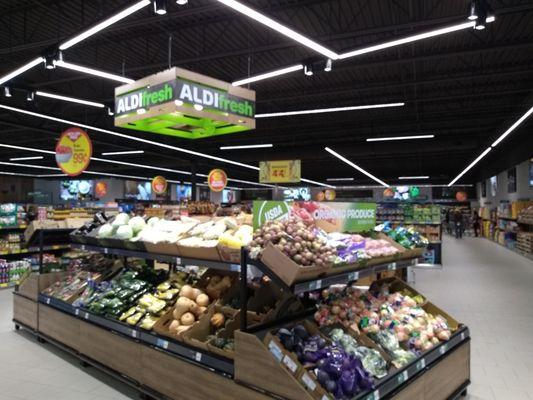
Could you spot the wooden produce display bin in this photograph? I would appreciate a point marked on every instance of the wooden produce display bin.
(286, 269)
(35, 283)
(112, 350)
(59, 326)
(256, 366)
(25, 311)
(180, 380)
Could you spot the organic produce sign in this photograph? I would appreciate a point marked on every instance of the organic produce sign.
(159, 185)
(332, 217)
(73, 151)
(177, 102)
(283, 171)
(217, 180)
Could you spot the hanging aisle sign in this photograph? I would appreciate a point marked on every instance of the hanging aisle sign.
(217, 180)
(283, 171)
(74, 151)
(159, 185)
(182, 103)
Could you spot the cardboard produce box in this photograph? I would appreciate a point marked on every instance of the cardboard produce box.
(286, 269)
(201, 253)
(166, 248)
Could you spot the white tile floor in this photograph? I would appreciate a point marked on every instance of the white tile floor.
(482, 284)
(490, 289)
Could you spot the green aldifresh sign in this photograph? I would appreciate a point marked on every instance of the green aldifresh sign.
(186, 92)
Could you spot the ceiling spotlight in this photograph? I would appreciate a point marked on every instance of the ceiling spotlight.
(329, 65)
(49, 61)
(473, 15)
(30, 96)
(7, 91)
(160, 7)
(179, 103)
(308, 69)
(110, 111)
(181, 2)
(198, 107)
(141, 111)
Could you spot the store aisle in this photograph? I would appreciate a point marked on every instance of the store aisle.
(489, 288)
(29, 370)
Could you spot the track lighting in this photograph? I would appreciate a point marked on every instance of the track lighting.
(30, 96)
(110, 111)
(160, 7)
(49, 61)
(7, 91)
(181, 2)
(308, 69)
(329, 65)
(474, 10)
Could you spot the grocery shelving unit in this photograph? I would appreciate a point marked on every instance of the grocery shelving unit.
(80, 332)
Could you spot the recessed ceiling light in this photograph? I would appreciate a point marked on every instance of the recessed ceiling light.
(69, 99)
(141, 111)
(328, 110)
(351, 164)
(198, 107)
(248, 146)
(160, 7)
(104, 24)
(7, 91)
(386, 139)
(26, 158)
(119, 153)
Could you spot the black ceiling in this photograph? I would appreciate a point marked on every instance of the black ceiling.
(465, 87)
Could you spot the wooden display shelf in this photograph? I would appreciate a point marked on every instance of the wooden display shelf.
(146, 368)
(436, 375)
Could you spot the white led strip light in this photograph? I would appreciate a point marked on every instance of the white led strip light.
(104, 24)
(351, 164)
(329, 110)
(95, 72)
(21, 70)
(284, 30)
(69, 99)
(496, 142)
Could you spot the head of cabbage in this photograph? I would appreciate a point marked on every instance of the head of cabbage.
(121, 219)
(137, 224)
(124, 232)
(105, 231)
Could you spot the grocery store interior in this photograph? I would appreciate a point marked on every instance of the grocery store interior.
(284, 199)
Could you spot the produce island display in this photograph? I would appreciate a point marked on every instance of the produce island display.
(235, 327)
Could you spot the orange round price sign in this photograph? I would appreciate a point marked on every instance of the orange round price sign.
(73, 151)
(217, 180)
(100, 189)
(159, 185)
(330, 194)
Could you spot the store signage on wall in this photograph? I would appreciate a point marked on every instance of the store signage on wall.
(182, 103)
(74, 151)
(281, 171)
(332, 217)
(217, 180)
(159, 185)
